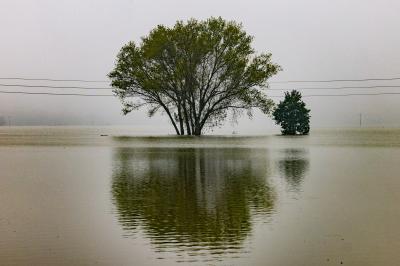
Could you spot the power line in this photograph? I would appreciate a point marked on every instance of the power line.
(271, 89)
(332, 80)
(342, 95)
(53, 87)
(341, 88)
(50, 79)
(272, 96)
(57, 94)
(272, 82)
(352, 94)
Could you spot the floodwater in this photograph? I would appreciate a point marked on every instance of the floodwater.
(69, 196)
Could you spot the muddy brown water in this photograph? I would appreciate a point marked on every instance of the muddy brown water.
(69, 196)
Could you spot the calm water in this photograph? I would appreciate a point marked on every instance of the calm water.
(69, 196)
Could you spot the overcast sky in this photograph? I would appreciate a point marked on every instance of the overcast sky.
(310, 39)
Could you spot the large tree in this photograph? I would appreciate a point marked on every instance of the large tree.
(196, 72)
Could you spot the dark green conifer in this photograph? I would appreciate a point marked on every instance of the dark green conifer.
(292, 115)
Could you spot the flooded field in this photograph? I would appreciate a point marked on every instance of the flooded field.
(83, 196)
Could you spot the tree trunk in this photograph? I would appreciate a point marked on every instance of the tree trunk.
(186, 116)
(181, 119)
(170, 117)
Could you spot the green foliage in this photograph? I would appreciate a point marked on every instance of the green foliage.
(292, 114)
(174, 200)
(196, 72)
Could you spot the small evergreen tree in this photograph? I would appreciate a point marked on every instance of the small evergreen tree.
(292, 115)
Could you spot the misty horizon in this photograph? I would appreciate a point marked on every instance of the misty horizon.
(311, 40)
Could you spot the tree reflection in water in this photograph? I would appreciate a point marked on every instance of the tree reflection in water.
(198, 200)
(293, 166)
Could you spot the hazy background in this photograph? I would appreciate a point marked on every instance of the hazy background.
(310, 39)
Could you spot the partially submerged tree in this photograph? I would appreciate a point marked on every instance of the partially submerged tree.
(292, 114)
(196, 72)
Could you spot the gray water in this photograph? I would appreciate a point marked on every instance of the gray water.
(69, 196)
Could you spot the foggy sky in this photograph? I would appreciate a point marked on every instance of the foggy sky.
(310, 39)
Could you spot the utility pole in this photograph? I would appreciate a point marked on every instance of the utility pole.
(360, 119)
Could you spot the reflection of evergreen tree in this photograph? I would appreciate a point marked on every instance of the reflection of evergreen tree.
(293, 166)
(191, 197)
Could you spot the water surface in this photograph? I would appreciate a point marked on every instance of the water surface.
(69, 196)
